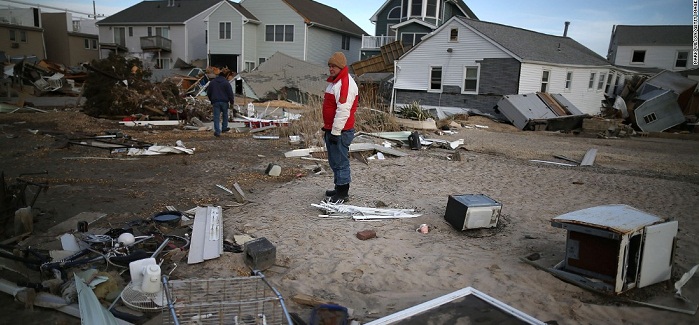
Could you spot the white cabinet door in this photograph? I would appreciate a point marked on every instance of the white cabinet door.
(656, 261)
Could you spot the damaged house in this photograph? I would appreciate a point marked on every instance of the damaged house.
(468, 64)
(655, 47)
(286, 78)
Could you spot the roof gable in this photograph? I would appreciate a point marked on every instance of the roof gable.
(458, 3)
(534, 46)
(658, 35)
(158, 12)
(329, 17)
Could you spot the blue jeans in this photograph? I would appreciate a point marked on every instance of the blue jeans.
(338, 156)
(220, 107)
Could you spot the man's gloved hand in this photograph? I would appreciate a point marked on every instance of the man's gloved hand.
(333, 138)
(324, 129)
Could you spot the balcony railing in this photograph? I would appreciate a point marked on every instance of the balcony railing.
(376, 42)
(156, 43)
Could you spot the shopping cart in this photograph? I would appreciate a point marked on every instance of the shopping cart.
(236, 301)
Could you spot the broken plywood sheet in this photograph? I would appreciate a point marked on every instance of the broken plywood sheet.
(589, 157)
(353, 147)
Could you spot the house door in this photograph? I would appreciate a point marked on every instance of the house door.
(228, 60)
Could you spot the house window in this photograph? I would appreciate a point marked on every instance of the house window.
(610, 78)
(681, 61)
(569, 80)
(23, 36)
(454, 35)
(394, 14)
(404, 9)
(120, 36)
(162, 63)
(650, 118)
(279, 33)
(390, 31)
(224, 30)
(600, 81)
(261, 60)
(431, 9)
(591, 83)
(435, 78)
(411, 39)
(638, 56)
(249, 66)
(345, 42)
(87, 43)
(13, 36)
(94, 44)
(545, 81)
(130, 31)
(159, 31)
(470, 79)
(416, 8)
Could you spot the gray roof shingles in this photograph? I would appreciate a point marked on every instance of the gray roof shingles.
(314, 12)
(158, 12)
(653, 35)
(533, 46)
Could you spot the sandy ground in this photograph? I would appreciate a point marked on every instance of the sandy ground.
(400, 268)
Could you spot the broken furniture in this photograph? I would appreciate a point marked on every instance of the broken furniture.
(470, 211)
(614, 248)
(465, 306)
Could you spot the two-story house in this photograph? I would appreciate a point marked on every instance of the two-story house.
(470, 64)
(158, 32)
(646, 47)
(303, 29)
(409, 21)
(21, 33)
(69, 41)
(239, 35)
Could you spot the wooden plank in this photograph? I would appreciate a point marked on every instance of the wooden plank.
(589, 157)
(552, 104)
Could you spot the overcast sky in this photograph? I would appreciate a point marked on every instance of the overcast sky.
(591, 20)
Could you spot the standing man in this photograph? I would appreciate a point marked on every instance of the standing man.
(220, 94)
(339, 106)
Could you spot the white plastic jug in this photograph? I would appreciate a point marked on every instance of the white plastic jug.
(137, 268)
(151, 279)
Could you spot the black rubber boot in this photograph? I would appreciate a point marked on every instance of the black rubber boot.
(331, 192)
(341, 196)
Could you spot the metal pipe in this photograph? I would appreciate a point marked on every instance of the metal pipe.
(279, 295)
(171, 306)
(160, 248)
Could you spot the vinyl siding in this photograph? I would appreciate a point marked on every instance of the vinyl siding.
(586, 100)
(194, 33)
(322, 43)
(234, 45)
(382, 18)
(656, 57)
(250, 46)
(279, 13)
(468, 50)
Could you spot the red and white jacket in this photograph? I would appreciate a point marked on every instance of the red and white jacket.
(340, 102)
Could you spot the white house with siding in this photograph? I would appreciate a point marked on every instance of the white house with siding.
(303, 29)
(666, 47)
(470, 64)
(232, 36)
(158, 32)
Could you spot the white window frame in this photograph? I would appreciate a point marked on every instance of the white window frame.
(388, 15)
(122, 33)
(163, 63)
(284, 33)
(601, 80)
(225, 30)
(569, 81)
(390, 31)
(406, 10)
(414, 35)
(677, 59)
(633, 53)
(441, 79)
(610, 81)
(545, 80)
(249, 66)
(478, 79)
(454, 35)
(87, 43)
(591, 82)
